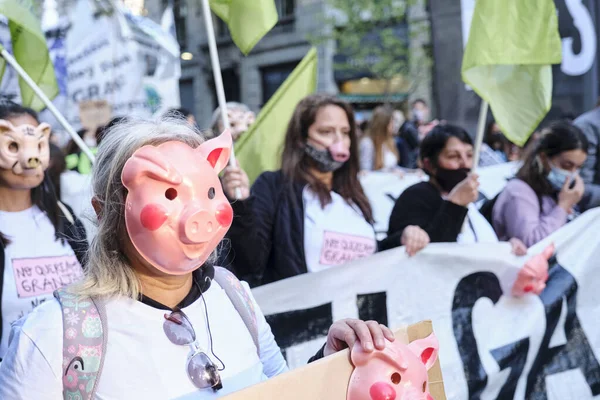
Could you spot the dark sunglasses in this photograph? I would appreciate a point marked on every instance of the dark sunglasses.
(201, 370)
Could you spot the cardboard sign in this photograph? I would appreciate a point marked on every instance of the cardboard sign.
(339, 248)
(41, 276)
(94, 114)
(328, 379)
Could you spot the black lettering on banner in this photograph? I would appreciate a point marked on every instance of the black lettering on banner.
(470, 289)
(575, 354)
(513, 356)
(295, 327)
(372, 306)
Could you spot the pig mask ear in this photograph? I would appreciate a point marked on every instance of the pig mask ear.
(426, 349)
(217, 150)
(149, 161)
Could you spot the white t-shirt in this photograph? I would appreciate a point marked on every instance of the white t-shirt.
(367, 156)
(476, 228)
(336, 234)
(35, 265)
(140, 362)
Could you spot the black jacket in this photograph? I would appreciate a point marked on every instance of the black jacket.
(267, 234)
(422, 205)
(75, 236)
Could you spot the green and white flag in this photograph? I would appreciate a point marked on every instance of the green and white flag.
(248, 20)
(508, 61)
(30, 50)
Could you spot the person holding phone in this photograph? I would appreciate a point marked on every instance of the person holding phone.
(547, 188)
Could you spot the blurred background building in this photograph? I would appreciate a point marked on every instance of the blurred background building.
(255, 78)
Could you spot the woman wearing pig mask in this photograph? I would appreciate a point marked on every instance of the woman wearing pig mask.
(150, 303)
(42, 243)
(296, 219)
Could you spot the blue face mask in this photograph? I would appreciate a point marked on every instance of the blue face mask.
(557, 177)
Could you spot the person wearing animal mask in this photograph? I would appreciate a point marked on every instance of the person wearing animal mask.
(240, 119)
(291, 220)
(153, 318)
(42, 243)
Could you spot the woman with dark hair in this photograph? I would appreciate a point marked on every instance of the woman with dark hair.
(42, 244)
(443, 206)
(378, 149)
(547, 188)
(312, 214)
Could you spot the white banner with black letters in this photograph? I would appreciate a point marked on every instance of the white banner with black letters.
(492, 345)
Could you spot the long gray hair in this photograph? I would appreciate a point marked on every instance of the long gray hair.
(108, 272)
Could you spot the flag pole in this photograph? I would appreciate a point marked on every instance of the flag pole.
(23, 74)
(483, 111)
(216, 67)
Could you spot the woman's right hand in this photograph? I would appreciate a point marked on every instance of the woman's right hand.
(235, 178)
(465, 192)
(568, 197)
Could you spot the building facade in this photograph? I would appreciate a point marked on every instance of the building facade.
(253, 79)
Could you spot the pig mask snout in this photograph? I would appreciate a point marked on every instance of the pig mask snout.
(339, 152)
(199, 225)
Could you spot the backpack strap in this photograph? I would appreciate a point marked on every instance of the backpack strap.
(84, 344)
(66, 212)
(240, 299)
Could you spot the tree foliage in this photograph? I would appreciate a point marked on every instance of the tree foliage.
(373, 37)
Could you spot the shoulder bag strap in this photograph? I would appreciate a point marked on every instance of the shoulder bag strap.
(84, 344)
(240, 299)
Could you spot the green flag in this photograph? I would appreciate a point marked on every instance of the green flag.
(259, 149)
(31, 52)
(508, 58)
(248, 20)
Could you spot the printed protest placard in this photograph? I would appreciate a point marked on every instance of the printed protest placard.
(43, 275)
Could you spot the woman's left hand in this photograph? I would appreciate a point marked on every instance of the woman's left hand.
(414, 238)
(518, 247)
(347, 332)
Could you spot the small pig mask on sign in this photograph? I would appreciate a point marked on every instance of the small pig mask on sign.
(176, 212)
(399, 372)
(24, 149)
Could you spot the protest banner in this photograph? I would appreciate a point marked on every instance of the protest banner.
(328, 378)
(492, 345)
(384, 188)
(94, 114)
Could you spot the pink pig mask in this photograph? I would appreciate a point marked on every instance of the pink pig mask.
(337, 150)
(176, 212)
(399, 372)
(24, 149)
(533, 276)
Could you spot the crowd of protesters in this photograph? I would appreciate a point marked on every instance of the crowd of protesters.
(281, 226)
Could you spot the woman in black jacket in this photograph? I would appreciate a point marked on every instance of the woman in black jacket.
(42, 244)
(312, 214)
(444, 206)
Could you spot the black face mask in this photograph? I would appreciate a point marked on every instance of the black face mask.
(449, 178)
(323, 159)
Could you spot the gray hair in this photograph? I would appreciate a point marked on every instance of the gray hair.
(216, 117)
(107, 272)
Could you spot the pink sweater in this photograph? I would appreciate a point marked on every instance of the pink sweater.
(517, 214)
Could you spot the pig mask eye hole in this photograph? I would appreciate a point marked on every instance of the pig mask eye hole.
(13, 147)
(171, 194)
(424, 387)
(396, 378)
(211, 193)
